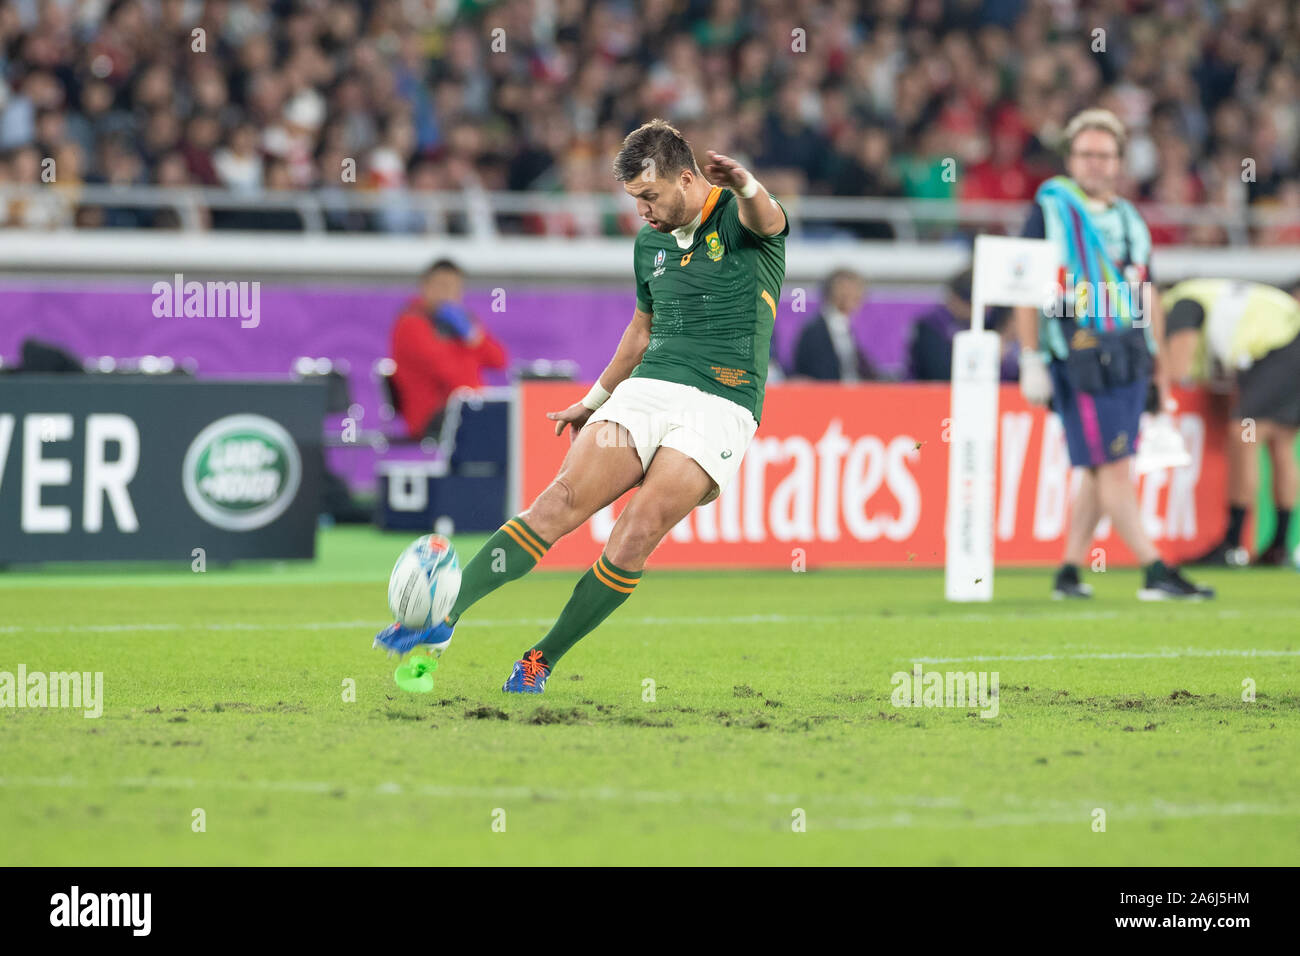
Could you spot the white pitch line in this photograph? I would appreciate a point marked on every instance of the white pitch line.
(912, 619)
(1115, 655)
(906, 820)
(587, 794)
(905, 816)
(376, 623)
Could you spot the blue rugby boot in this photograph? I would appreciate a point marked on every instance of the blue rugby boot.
(529, 675)
(401, 640)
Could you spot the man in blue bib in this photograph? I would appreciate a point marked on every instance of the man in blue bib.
(1093, 350)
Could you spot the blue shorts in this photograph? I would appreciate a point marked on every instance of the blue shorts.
(1100, 427)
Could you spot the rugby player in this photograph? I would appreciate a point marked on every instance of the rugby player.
(1245, 335)
(675, 408)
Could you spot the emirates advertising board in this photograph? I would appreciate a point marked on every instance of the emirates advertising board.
(857, 476)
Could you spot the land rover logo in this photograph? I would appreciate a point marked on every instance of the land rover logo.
(241, 472)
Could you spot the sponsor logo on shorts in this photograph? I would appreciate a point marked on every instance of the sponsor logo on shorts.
(726, 453)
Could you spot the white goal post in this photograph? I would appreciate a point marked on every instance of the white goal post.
(1006, 271)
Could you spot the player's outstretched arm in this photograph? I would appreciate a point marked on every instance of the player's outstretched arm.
(636, 337)
(758, 211)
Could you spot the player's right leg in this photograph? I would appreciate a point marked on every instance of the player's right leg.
(602, 464)
(1085, 512)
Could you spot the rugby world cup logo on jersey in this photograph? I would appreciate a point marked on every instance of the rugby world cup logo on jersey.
(660, 256)
(241, 472)
(713, 246)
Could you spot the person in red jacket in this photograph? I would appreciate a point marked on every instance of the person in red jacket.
(438, 347)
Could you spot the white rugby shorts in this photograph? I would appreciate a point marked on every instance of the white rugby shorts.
(711, 430)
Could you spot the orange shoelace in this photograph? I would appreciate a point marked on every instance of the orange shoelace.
(532, 667)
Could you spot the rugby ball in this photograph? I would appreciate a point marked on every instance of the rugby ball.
(424, 582)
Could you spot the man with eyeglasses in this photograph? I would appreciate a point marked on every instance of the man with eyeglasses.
(1094, 349)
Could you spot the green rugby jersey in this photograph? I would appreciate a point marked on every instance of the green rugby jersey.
(713, 303)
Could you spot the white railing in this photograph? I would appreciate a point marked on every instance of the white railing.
(155, 255)
(484, 215)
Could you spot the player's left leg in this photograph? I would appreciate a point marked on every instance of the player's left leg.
(1243, 476)
(673, 485)
(1286, 483)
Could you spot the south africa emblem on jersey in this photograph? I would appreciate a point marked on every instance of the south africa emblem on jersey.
(713, 246)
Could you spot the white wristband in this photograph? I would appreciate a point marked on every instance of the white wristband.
(596, 397)
(750, 190)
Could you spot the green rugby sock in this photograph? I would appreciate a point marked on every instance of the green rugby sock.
(597, 593)
(510, 553)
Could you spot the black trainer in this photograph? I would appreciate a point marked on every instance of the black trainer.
(1224, 555)
(1068, 585)
(1273, 556)
(1164, 583)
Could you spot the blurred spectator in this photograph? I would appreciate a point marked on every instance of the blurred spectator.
(825, 349)
(929, 347)
(438, 347)
(239, 165)
(919, 99)
(1288, 201)
(1004, 174)
(865, 171)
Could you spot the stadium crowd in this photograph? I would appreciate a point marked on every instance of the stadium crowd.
(822, 97)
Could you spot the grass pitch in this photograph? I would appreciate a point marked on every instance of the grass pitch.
(224, 693)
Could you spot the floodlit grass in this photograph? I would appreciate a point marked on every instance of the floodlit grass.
(224, 692)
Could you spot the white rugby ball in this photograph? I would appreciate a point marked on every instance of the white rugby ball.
(424, 582)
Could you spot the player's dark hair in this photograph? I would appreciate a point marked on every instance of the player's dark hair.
(443, 264)
(1185, 314)
(654, 150)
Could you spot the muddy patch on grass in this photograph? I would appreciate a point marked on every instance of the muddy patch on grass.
(402, 715)
(642, 720)
(486, 712)
(243, 707)
(546, 715)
